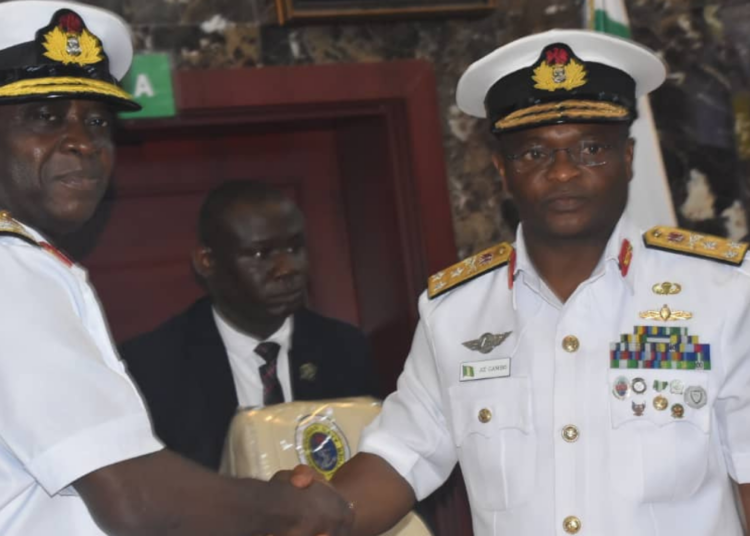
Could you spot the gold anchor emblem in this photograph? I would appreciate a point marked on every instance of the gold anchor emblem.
(667, 288)
(666, 314)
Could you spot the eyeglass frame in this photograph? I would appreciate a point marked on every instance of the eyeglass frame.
(550, 158)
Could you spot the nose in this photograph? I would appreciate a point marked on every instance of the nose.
(562, 167)
(78, 139)
(285, 264)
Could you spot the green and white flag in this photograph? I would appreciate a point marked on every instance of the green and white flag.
(650, 198)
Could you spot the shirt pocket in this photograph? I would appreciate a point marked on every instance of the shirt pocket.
(496, 441)
(659, 455)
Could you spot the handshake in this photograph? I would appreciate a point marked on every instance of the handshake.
(312, 506)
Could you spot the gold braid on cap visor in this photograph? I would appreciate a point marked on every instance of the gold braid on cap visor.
(62, 84)
(578, 109)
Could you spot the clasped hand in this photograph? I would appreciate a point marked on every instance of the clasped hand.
(317, 508)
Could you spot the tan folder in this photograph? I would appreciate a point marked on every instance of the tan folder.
(322, 434)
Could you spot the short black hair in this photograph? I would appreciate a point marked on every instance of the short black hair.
(227, 194)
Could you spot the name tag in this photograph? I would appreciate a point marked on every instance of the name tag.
(483, 370)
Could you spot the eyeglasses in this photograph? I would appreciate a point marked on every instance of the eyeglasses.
(587, 154)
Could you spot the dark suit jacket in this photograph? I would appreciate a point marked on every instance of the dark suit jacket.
(183, 372)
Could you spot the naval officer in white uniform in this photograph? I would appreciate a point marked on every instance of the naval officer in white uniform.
(592, 378)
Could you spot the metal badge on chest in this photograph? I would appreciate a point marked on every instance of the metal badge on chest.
(488, 368)
(662, 348)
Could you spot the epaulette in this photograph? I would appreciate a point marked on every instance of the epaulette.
(696, 245)
(10, 227)
(468, 269)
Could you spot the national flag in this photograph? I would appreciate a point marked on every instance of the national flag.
(650, 200)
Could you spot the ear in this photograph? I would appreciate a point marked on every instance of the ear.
(203, 261)
(499, 162)
(629, 155)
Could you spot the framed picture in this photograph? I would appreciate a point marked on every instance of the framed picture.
(311, 10)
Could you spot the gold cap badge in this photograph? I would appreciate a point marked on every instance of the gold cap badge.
(70, 42)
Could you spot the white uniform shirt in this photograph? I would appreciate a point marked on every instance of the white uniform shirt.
(67, 407)
(245, 363)
(624, 474)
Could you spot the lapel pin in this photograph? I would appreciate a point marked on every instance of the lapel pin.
(308, 372)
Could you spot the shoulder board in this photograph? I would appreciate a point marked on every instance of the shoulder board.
(10, 227)
(468, 269)
(695, 244)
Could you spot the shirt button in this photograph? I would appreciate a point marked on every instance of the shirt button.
(572, 525)
(570, 433)
(571, 344)
(485, 416)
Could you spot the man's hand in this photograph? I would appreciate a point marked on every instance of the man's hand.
(312, 507)
(381, 495)
(162, 494)
(300, 477)
(303, 477)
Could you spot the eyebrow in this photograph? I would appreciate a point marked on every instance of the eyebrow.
(270, 241)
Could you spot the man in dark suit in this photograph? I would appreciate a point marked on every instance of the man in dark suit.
(251, 342)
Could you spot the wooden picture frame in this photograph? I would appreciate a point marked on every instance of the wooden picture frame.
(326, 10)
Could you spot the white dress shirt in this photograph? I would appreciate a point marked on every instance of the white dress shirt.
(617, 472)
(245, 363)
(67, 406)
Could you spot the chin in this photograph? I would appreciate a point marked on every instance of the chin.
(582, 232)
(569, 227)
(285, 310)
(64, 223)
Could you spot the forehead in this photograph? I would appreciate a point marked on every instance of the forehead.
(59, 104)
(263, 220)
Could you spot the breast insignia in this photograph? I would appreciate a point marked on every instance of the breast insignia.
(696, 245)
(468, 269)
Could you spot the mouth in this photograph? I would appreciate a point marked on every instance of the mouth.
(565, 202)
(285, 296)
(79, 181)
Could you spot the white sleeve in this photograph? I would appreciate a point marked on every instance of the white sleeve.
(733, 400)
(411, 432)
(64, 411)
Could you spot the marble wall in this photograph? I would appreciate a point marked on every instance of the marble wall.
(705, 42)
(703, 111)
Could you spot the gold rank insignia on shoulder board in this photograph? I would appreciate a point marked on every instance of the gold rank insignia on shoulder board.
(696, 244)
(10, 227)
(466, 270)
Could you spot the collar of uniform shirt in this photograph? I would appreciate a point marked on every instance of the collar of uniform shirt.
(526, 274)
(80, 271)
(625, 230)
(242, 344)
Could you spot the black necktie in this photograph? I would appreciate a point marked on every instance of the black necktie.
(272, 393)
